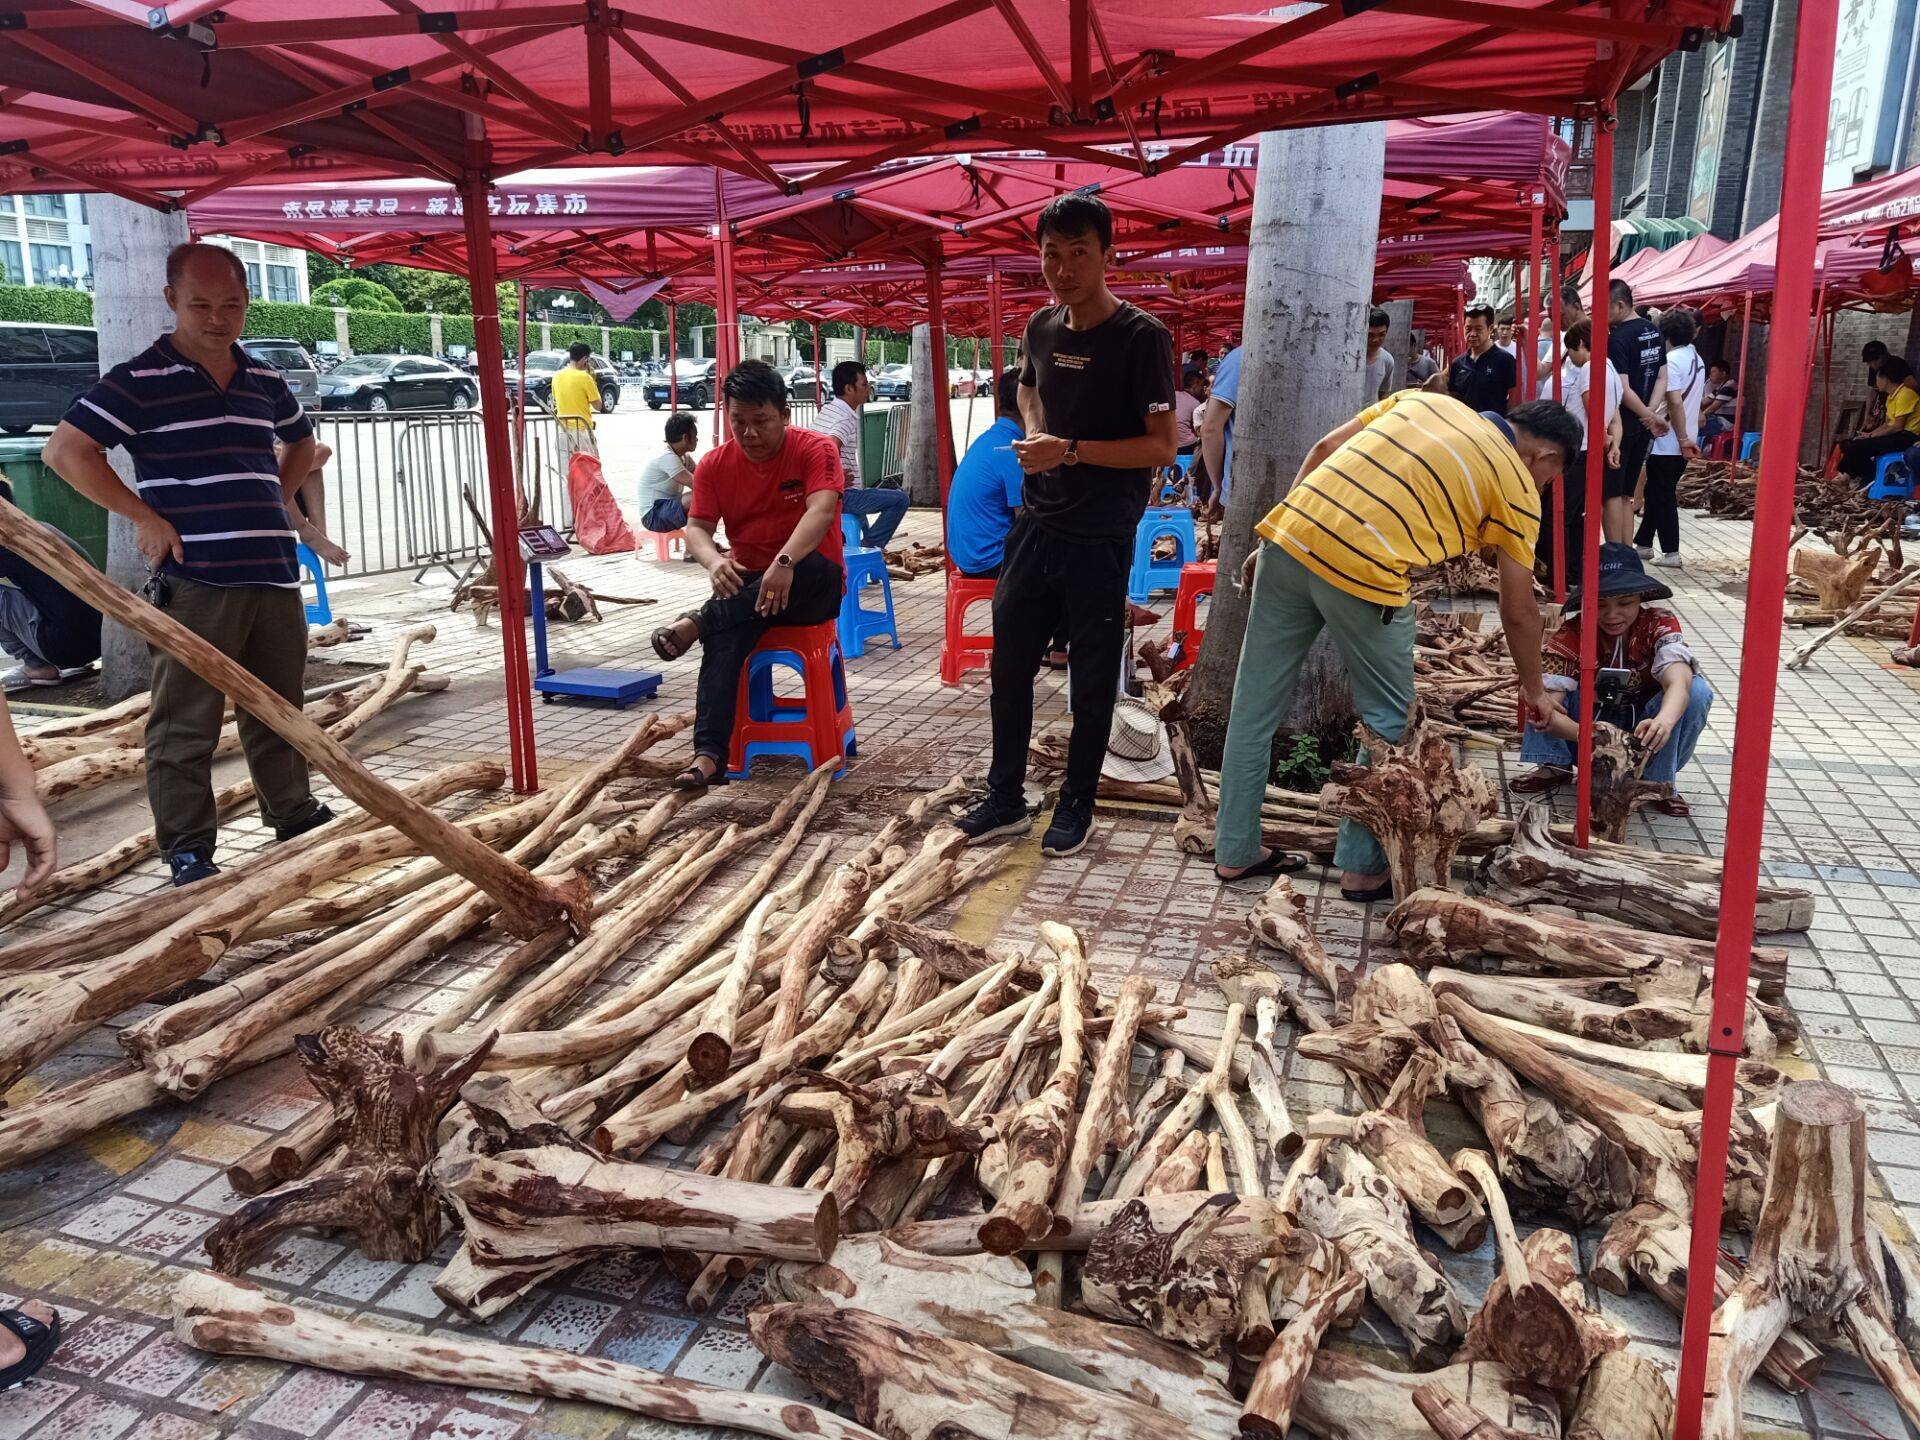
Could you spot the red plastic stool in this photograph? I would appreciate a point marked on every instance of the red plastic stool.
(814, 729)
(1196, 583)
(663, 543)
(960, 651)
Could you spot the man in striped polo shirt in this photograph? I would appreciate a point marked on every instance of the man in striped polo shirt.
(1410, 482)
(212, 511)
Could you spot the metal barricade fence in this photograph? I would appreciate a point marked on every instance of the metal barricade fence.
(893, 463)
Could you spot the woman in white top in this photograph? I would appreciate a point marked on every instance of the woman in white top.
(1667, 460)
(1576, 371)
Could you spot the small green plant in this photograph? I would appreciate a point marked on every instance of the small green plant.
(1299, 764)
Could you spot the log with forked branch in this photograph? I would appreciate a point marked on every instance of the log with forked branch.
(1348, 1399)
(1183, 1276)
(235, 1317)
(1279, 920)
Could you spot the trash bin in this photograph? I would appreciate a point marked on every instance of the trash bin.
(873, 445)
(45, 496)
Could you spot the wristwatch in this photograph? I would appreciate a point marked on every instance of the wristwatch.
(1072, 457)
(784, 560)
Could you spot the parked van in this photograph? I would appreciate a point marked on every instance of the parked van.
(43, 368)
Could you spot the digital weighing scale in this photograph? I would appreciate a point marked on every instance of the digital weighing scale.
(540, 544)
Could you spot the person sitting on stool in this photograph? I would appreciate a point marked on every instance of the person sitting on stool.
(666, 481)
(52, 632)
(777, 489)
(879, 511)
(1860, 456)
(1647, 679)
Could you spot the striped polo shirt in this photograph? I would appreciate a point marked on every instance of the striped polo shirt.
(203, 458)
(1425, 480)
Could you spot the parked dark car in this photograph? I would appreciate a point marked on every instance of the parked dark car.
(396, 382)
(893, 382)
(800, 383)
(293, 362)
(698, 379)
(43, 368)
(543, 365)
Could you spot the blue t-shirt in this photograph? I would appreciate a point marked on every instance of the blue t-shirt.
(1226, 386)
(983, 498)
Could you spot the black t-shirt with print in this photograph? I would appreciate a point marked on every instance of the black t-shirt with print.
(1098, 384)
(1485, 382)
(1637, 352)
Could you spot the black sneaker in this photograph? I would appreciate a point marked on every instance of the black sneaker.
(310, 819)
(1072, 821)
(191, 865)
(994, 816)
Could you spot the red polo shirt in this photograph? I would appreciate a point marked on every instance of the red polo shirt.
(760, 503)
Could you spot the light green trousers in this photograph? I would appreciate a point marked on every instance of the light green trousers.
(1290, 607)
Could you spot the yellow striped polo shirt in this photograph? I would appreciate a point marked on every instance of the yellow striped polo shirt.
(1425, 480)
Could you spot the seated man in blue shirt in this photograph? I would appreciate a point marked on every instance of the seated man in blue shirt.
(985, 494)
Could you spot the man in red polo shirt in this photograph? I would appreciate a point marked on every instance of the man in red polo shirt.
(777, 489)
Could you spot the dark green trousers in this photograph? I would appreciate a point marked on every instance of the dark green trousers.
(265, 630)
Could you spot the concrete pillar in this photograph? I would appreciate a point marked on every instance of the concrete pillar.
(1769, 150)
(130, 244)
(699, 343)
(342, 335)
(546, 334)
(434, 341)
(1316, 205)
(653, 344)
(922, 479)
(1400, 341)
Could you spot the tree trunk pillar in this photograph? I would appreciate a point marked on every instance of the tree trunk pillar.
(923, 434)
(1316, 205)
(1399, 341)
(130, 245)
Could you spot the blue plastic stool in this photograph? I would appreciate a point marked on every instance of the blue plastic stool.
(1184, 463)
(319, 611)
(1149, 575)
(768, 725)
(865, 566)
(1749, 444)
(1888, 483)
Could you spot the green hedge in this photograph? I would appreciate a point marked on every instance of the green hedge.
(48, 304)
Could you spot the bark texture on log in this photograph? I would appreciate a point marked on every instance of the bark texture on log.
(1279, 920)
(1332, 1298)
(1618, 791)
(1183, 1281)
(1625, 1397)
(1348, 1399)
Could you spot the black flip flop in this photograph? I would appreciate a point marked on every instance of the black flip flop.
(694, 778)
(1382, 891)
(1278, 862)
(669, 646)
(39, 1341)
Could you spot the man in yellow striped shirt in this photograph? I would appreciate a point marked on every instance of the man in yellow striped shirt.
(1410, 482)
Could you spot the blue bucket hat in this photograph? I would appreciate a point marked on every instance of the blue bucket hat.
(1621, 573)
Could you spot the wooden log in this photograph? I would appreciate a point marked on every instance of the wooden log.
(526, 904)
(1184, 1280)
(959, 1234)
(905, 1113)
(1348, 1399)
(989, 1301)
(1804, 653)
(913, 1386)
(1536, 869)
(380, 1193)
(1625, 1397)
(1187, 1110)
(1334, 1298)
(1453, 1419)
(1037, 1138)
(1839, 579)
(235, 1317)
(1618, 791)
(1279, 921)
(1182, 1169)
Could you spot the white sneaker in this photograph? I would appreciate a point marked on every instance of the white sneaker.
(1645, 551)
(1669, 562)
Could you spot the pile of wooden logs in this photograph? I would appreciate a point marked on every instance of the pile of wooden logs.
(915, 560)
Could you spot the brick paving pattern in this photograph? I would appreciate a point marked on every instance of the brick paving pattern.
(99, 1229)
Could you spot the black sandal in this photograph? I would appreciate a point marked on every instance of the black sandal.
(1382, 891)
(39, 1340)
(693, 777)
(1277, 862)
(668, 645)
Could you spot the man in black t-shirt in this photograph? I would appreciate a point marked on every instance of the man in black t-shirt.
(1484, 377)
(1636, 350)
(1096, 398)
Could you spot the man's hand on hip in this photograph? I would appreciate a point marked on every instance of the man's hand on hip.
(726, 577)
(1247, 567)
(157, 541)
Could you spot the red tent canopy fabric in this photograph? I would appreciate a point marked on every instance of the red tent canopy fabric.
(139, 98)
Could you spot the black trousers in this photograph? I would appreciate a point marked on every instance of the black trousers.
(1858, 456)
(1572, 487)
(1660, 511)
(1052, 586)
(731, 627)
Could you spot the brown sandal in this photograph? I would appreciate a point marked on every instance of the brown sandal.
(667, 643)
(1674, 804)
(1541, 781)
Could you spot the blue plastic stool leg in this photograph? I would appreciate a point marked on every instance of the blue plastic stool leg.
(319, 610)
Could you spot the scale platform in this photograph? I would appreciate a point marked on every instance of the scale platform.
(621, 687)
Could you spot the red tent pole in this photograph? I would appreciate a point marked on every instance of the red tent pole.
(520, 393)
(1518, 392)
(1823, 327)
(726, 337)
(1459, 321)
(1740, 380)
(817, 400)
(942, 410)
(1560, 490)
(1530, 347)
(1602, 262)
(1815, 32)
(500, 487)
(673, 356)
(997, 322)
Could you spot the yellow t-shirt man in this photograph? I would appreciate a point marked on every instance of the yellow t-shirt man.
(1903, 407)
(575, 393)
(1427, 479)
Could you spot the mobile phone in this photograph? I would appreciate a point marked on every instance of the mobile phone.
(1610, 680)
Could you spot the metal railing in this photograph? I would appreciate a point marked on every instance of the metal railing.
(893, 458)
(395, 482)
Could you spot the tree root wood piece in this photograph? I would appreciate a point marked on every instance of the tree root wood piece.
(234, 1317)
(1333, 1298)
(989, 1301)
(1348, 1399)
(527, 904)
(1618, 791)
(905, 1113)
(1180, 1120)
(909, 1385)
(381, 1193)
(1279, 921)
(1666, 1012)
(1625, 1397)
(1415, 800)
(1185, 1282)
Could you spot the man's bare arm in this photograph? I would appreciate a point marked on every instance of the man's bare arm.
(1213, 438)
(77, 458)
(1520, 617)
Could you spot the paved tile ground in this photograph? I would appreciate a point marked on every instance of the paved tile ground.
(101, 1228)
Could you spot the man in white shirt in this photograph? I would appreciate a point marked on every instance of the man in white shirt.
(879, 511)
(1668, 456)
(1379, 359)
(1503, 337)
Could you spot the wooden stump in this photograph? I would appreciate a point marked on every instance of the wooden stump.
(1348, 1399)
(1618, 791)
(1184, 1283)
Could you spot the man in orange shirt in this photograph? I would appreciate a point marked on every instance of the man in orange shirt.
(777, 489)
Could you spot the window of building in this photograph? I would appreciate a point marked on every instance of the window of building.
(48, 261)
(47, 207)
(7, 205)
(283, 283)
(12, 271)
(89, 279)
(253, 280)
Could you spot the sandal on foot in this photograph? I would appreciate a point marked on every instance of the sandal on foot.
(1382, 891)
(667, 643)
(696, 777)
(1674, 804)
(39, 1341)
(1539, 781)
(1277, 862)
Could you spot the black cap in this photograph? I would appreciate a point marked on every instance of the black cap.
(1621, 573)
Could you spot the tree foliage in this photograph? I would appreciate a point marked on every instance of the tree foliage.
(354, 292)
